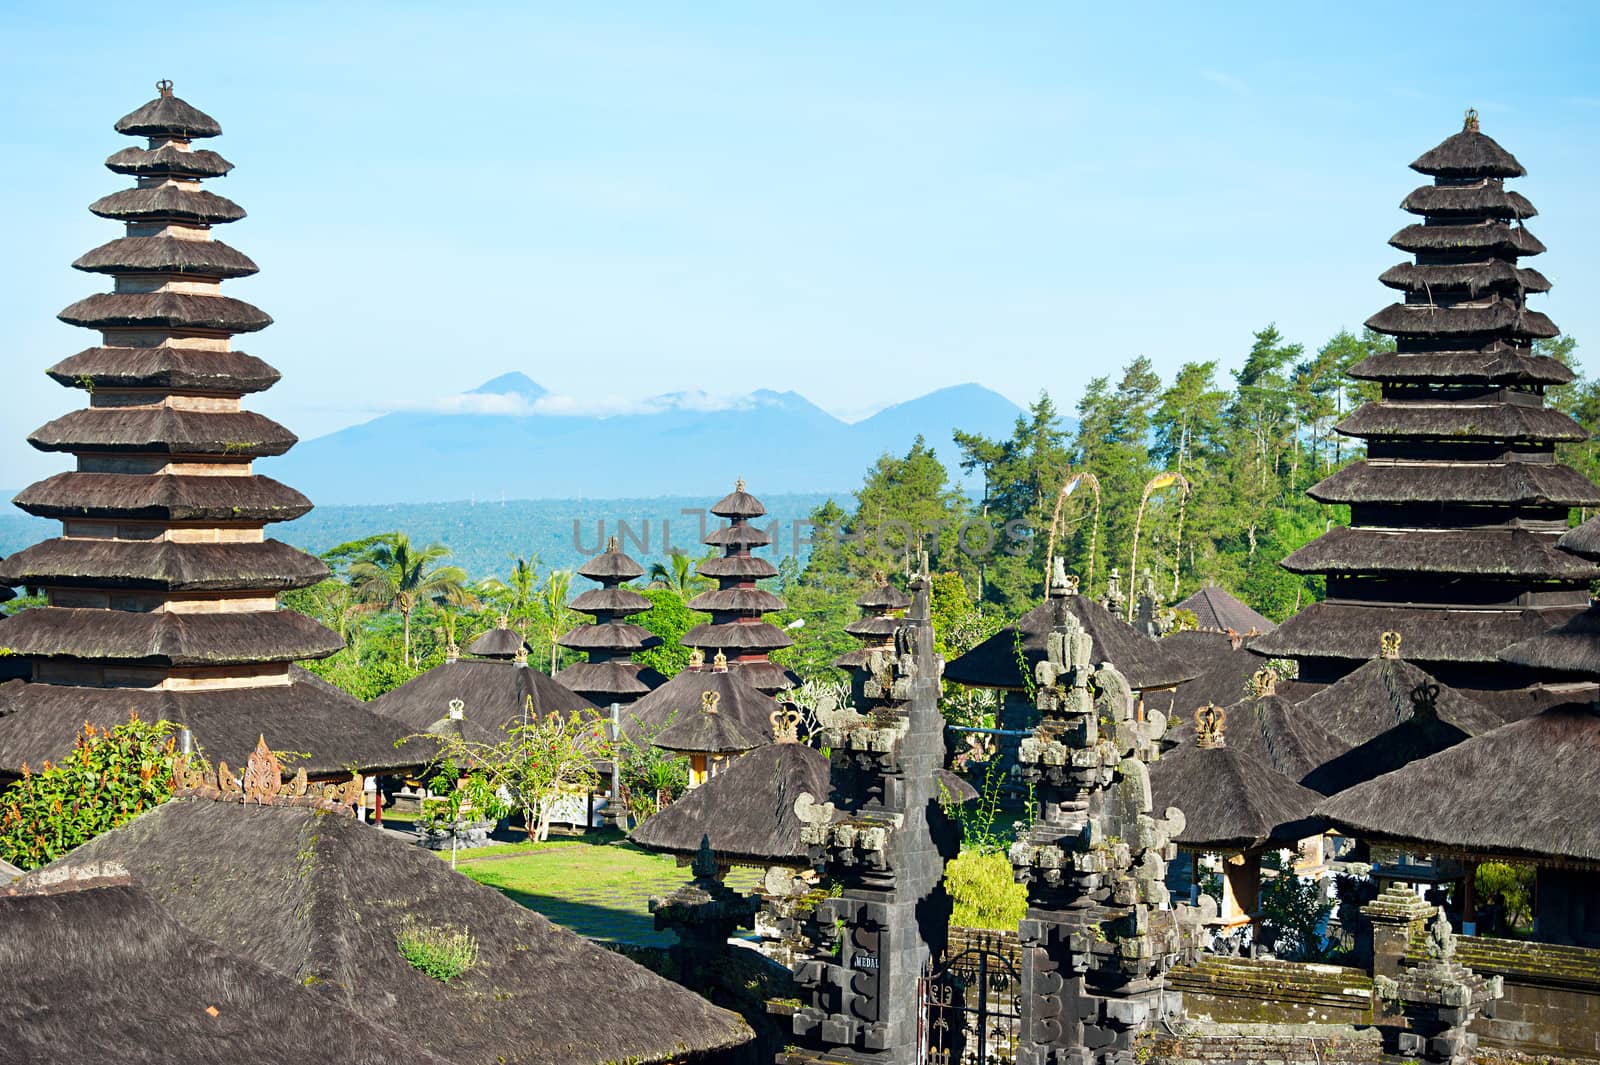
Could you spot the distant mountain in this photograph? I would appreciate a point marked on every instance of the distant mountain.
(512, 439)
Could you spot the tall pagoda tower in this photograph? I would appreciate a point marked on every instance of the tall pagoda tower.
(610, 675)
(736, 627)
(162, 588)
(1457, 506)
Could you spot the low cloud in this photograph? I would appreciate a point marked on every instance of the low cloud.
(514, 404)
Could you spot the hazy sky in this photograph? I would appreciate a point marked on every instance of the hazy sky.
(859, 202)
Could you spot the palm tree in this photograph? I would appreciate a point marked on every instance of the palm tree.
(677, 574)
(553, 604)
(393, 575)
(519, 588)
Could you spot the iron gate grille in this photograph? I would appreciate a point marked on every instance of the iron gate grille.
(971, 1006)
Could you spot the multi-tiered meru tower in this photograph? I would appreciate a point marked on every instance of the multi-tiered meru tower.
(162, 590)
(611, 640)
(1455, 511)
(737, 628)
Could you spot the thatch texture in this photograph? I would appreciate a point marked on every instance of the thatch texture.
(743, 567)
(1222, 674)
(307, 716)
(1276, 733)
(883, 596)
(1489, 200)
(1432, 279)
(737, 698)
(1484, 238)
(1462, 421)
(168, 161)
(1476, 552)
(736, 600)
(1351, 631)
(611, 566)
(768, 676)
(1584, 540)
(266, 565)
(1145, 663)
(166, 310)
(162, 202)
(738, 504)
(106, 974)
(747, 536)
(737, 636)
(1231, 801)
(322, 898)
(621, 601)
(166, 638)
(1217, 611)
(1499, 365)
(162, 430)
(1568, 650)
(166, 255)
(168, 116)
(747, 810)
(1482, 483)
(162, 497)
(1469, 153)
(494, 696)
(619, 636)
(182, 369)
(499, 642)
(1526, 789)
(1501, 317)
(619, 680)
(703, 730)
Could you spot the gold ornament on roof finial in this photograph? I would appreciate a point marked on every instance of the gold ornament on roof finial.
(612, 544)
(786, 723)
(164, 87)
(502, 622)
(1471, 123)
(738, 485)
(457, 710)
(1389, 645)
(1209, 721)
(719, 663)
(1263, 682)
(263, 775)
(697, 659)
(709, 701)
(879, 578)
(521, 657)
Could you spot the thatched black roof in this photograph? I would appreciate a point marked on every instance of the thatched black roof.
(322, 898)
(1430, 280)
(1462, 421)
(1469, 153)
(738, 504)
(265, 565)
(239, 434)
(1501, 317)
(185, 369)
(620, 636)
(742, 600)
(768, 676)
(168, 160)
(600, 601)
(498, 642)
(1217, 611)
(1525, 790)
(308, 716)
(1568, 650)
(1496, 365)
(158, 203)
(738, 566)
(1276, 733)
(177, 639)
(1484, 238)
(883, 596)
(105, 974)
(1230, 800)
(1584, 540)
(1351, 631)
(1502, 483)
(167, 310)
(1222, 673)
(879, 627)
(494, 695)
(747, 810)
(737, 636)
(611, 566)
(162, 497)
(1146, 663)
(1477, 552)
(614, 680)
(1490, 200)
(706, 730)
(168, 116)
(737, 698)
(166, 255)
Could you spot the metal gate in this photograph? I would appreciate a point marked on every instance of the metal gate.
(971, 1006)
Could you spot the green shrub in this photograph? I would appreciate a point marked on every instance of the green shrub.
(984, 891)
(439, 951)
(1512, 887)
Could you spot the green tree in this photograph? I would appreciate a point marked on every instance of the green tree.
(391, 574)
(677, 574)
(669, 619)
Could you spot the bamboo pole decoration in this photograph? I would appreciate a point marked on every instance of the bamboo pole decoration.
(1072, 485)
(1154, 485)
(1177, 543)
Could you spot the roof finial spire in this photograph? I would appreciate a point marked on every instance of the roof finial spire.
(1209, 723)
(612, 543)
(1389, 645)
(738, 484)
(1471, 123)
(164, 87)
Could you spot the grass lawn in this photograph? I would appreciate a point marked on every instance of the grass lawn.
(597, 885)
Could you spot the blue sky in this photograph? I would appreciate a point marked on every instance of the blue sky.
(858, 202)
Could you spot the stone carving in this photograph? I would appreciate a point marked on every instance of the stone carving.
(263, 784)
(1438, 998)
(703, 913)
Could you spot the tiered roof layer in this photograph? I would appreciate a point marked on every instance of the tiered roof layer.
(1457, 506)
(883, 608)
(161, 590)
